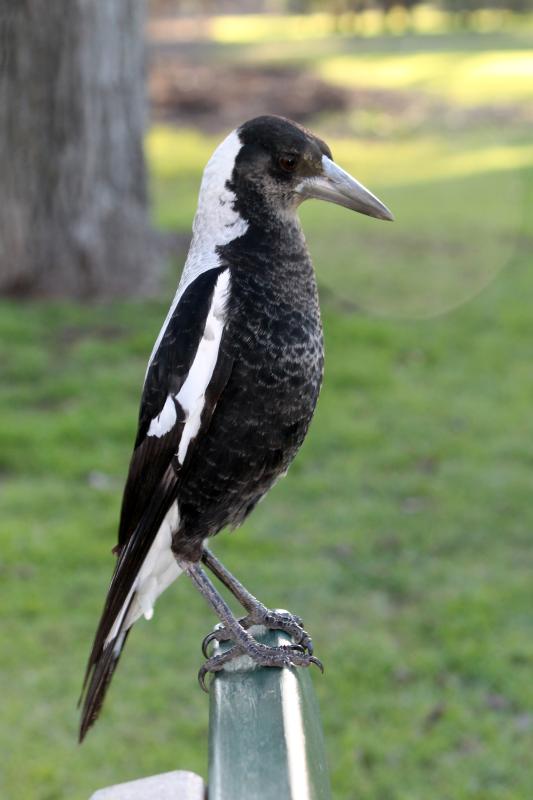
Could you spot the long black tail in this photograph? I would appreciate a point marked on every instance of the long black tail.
(97, 680)
(121, 595)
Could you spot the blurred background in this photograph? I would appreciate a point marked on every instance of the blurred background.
(403, 531)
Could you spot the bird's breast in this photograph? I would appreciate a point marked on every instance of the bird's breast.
(274, 337)
(273, 340)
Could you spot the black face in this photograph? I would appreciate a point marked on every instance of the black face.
(276, 156)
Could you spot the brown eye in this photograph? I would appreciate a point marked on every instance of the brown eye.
(288, 163)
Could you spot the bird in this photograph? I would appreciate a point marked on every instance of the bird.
(229, 392)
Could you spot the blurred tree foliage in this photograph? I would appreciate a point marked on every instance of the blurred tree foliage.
(460, 10)
(338, 7)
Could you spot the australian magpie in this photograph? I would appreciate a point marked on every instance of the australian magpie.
(230, 389)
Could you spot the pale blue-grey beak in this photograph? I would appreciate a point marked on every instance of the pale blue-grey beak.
(337, 186)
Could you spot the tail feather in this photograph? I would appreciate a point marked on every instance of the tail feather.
(97, 681)
(126, 601)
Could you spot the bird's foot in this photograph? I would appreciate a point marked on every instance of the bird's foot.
(273, 620)
(262, 655)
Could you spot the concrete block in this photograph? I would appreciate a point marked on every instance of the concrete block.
(178, 785)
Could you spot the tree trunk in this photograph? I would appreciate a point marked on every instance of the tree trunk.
(73, 208)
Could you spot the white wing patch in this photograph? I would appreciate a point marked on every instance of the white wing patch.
(191, 396)
(165, 420)
(216, 223)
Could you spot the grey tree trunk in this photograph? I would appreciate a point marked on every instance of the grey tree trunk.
(73, 197)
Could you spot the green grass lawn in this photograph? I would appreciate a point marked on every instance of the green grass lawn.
(402, 532)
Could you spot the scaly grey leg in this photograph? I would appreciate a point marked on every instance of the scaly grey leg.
(243, 642)
(258, 614)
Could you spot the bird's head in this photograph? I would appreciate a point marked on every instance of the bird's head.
(279, 164)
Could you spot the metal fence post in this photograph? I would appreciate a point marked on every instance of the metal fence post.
(265, 735)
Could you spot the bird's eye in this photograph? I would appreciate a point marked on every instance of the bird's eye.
(288, 163)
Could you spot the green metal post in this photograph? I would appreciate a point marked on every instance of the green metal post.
(265, 736)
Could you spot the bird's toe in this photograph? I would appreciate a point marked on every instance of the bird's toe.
(290, 624)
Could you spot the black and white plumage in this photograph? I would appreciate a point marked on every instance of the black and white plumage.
(232, 381)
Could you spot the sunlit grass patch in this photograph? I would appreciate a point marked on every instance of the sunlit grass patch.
(177, 159)
(451, 238)
(461, 76)
(173, 151)
(264, 27)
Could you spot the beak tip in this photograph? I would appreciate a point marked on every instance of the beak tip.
(384, 213)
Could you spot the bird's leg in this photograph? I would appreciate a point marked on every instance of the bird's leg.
(245, 598)
(258, 614)
(244, 643)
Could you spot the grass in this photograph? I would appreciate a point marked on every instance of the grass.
(404, 525)
(460, 76)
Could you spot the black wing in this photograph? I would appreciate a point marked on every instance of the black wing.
(154, 473)
(165, 376)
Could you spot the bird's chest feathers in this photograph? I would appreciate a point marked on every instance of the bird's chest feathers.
(274, 302)
(274, 336)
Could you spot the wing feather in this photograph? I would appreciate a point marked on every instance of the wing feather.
(154, 474)
(165, 377)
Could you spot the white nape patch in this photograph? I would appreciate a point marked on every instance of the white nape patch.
(165, 420)
(159, 569)
(191, 396)
(215, 222)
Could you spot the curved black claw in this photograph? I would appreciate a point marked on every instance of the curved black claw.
(317, 662)
(201, 680)
(206, 641)
(215, 664)
(220, 634)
